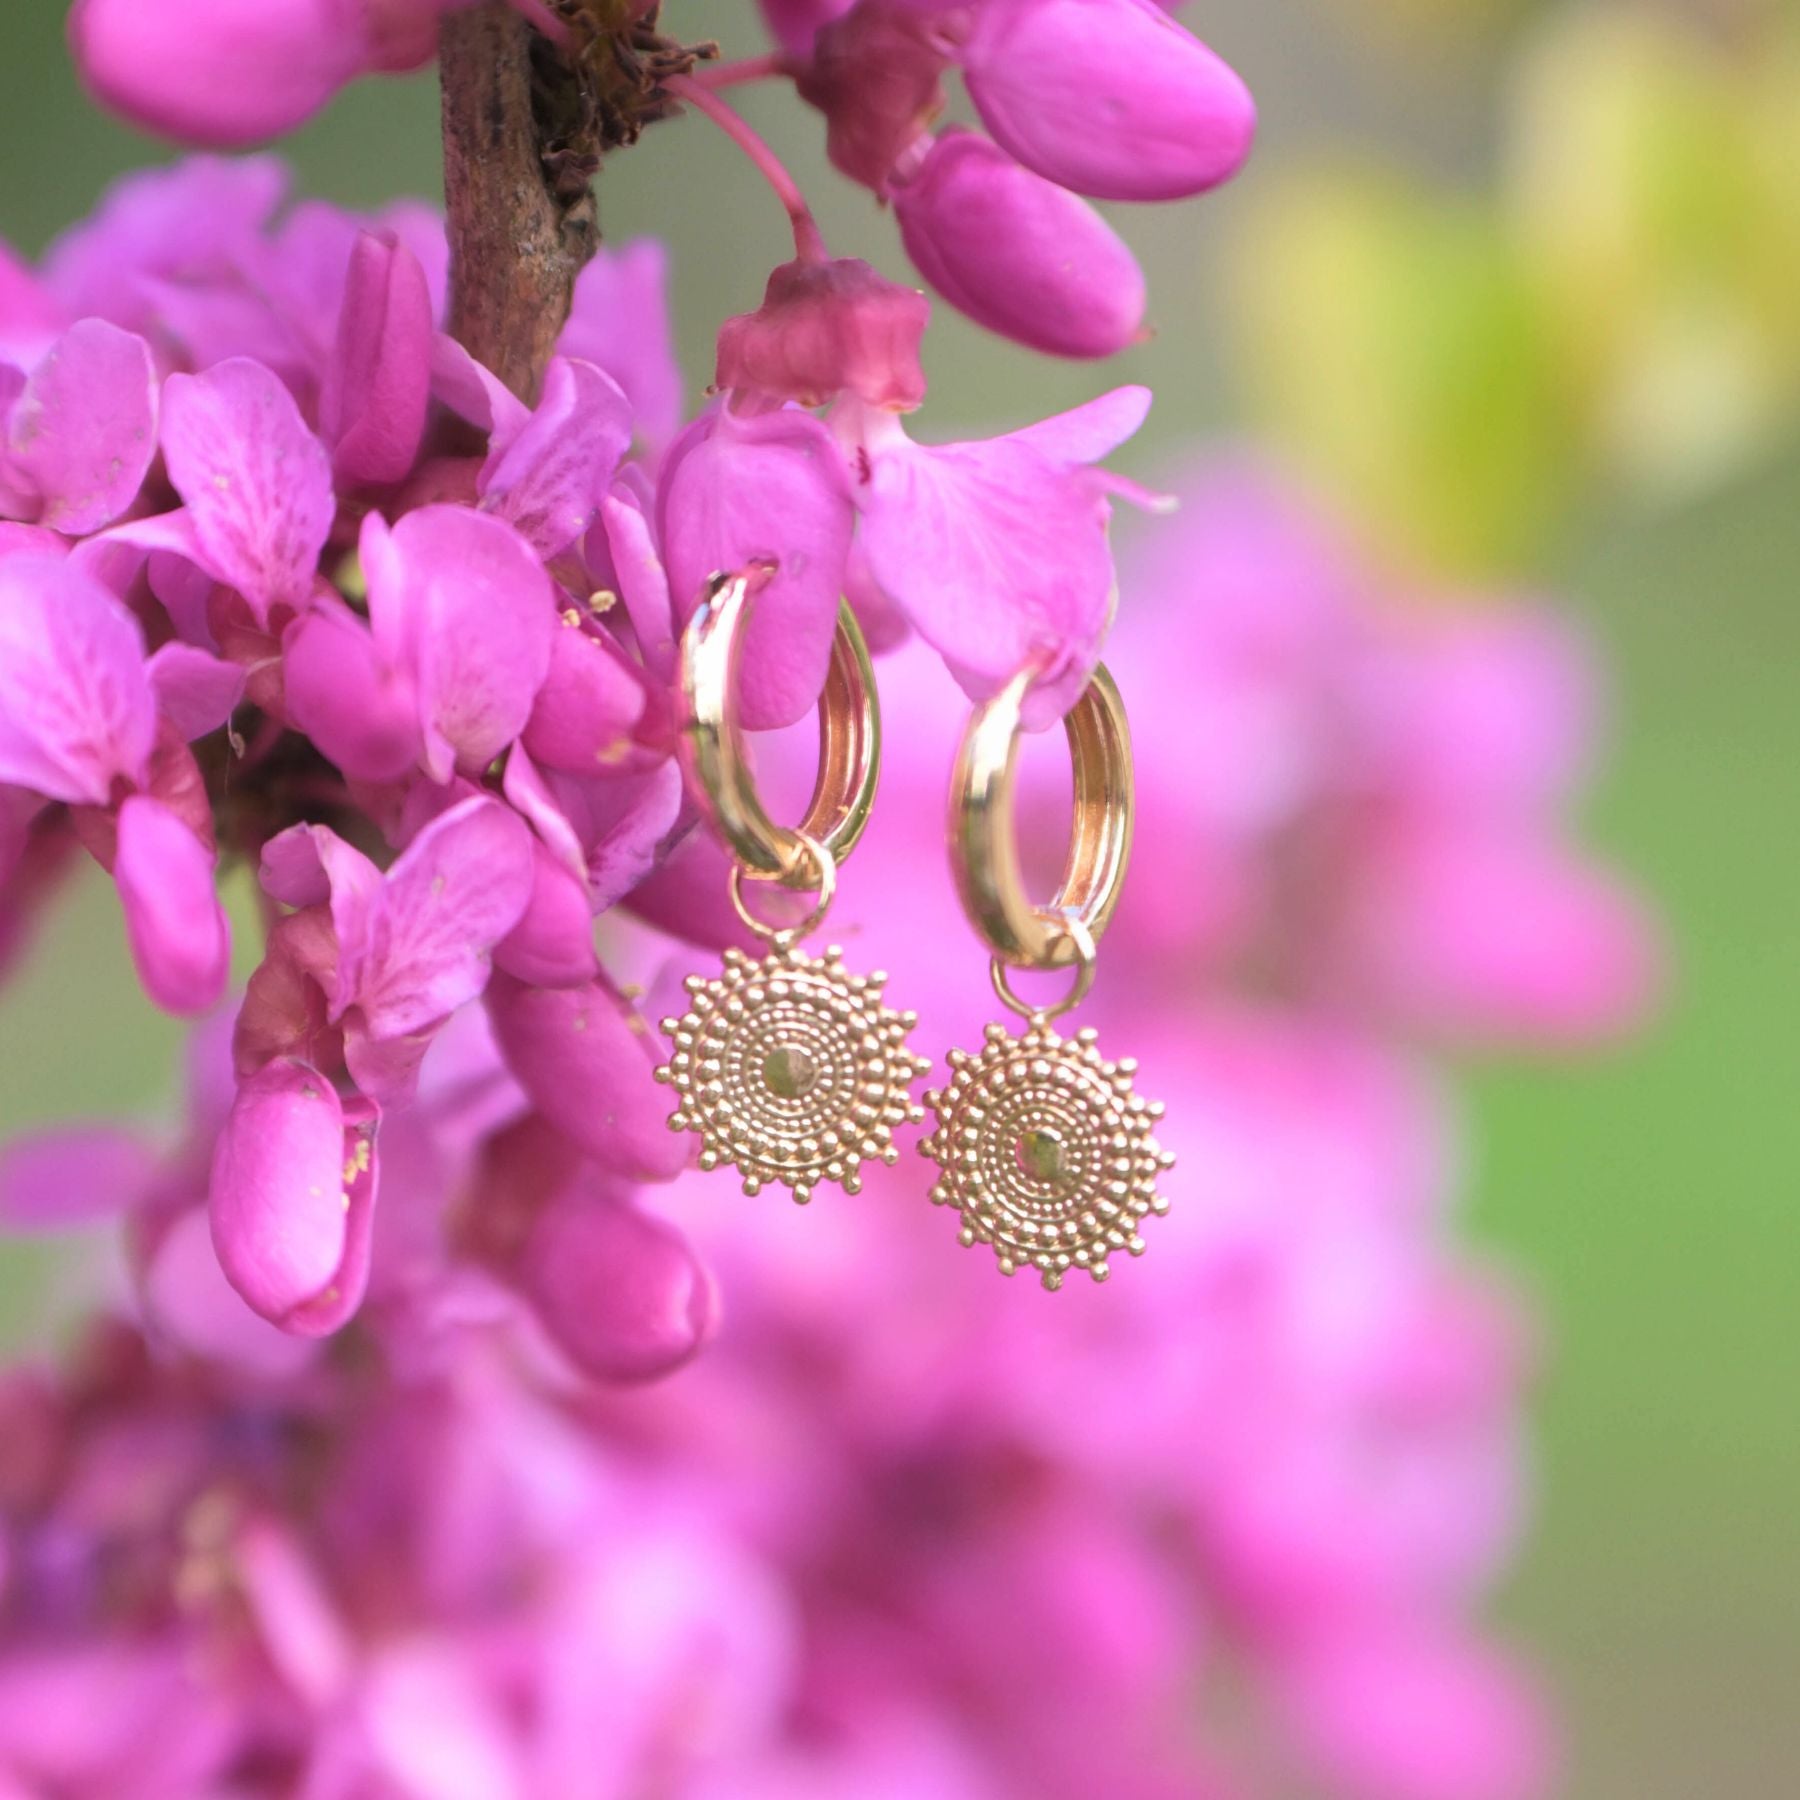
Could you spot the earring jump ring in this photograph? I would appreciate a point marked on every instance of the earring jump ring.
(984, 845)
(715, 762)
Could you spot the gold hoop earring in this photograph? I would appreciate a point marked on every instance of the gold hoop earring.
(789, 1067)
(1043, 1146)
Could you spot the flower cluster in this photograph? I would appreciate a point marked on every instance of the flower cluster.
(356, 1488)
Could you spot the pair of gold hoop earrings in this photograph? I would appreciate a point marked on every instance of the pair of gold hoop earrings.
(797, 1072)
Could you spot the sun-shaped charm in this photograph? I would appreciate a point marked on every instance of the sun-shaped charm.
(1046, 1151)
(792, 1069)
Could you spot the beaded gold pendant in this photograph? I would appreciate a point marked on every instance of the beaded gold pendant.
(1047, 1151)
(792, 1070)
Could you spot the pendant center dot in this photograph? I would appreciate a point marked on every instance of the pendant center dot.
(790, 1072)
(1040, 1155)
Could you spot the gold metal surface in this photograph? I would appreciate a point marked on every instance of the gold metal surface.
(712, 747)
(1046, 1151)
(792, 1069)
(984, 850)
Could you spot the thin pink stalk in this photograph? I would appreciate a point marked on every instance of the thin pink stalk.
(809, 243)
(771, 67)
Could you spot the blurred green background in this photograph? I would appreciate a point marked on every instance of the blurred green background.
(1547, 342)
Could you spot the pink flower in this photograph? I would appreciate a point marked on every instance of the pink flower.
(1017, 253)
(765, 487)
(997, 551)
(80, 429)
(372, 409)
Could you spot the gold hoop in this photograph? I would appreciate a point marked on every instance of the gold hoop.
(825, 880)
(712, 747)
(984, 851)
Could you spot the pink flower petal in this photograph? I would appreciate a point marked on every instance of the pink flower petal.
(553, 943)
(587, 1060)
(461, 600)
(199, 221)
(998, 557)
(546, 482)
(628, 543)
(460, 886)
(279, 1195)
(620, 322)
(342, 692)
(76, 708)
(377, 385)
(189, 1303)
(179, 938)
(83, 433)
(256, 482)
(589, 705)
(620, 1291)
(1163, 117)
(68, 1176)
(196, 692)
(770, 487)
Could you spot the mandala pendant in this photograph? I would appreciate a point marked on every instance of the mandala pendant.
(792, 1070)
(1046, 1151)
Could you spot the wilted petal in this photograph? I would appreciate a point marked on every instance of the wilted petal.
(67, 1176)
(587, 1060)
(773, 487)
(619, 1290)
(196, 692)
(280, 1195)
(179, 939)
(825, 328)
(458, 888)
(547, 481)
(83, 433)
(76, 708)
(345, 695)
(1019, 254)
(257, 483)
(372, 409)
(620, 321)
(1108, 97)
(460, 599)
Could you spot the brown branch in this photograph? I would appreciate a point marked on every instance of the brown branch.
(516, 242)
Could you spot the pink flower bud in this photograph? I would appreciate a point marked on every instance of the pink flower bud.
(1019, 254)
(588, 1061)
(1108, 97)
(291, 1198)
(825, 327)
(179, 939)
(619, 1290)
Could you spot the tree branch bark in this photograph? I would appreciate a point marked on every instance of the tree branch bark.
(516, 246)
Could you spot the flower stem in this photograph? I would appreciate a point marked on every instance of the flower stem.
(745, 69)
(809, 244)
(516, 245)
